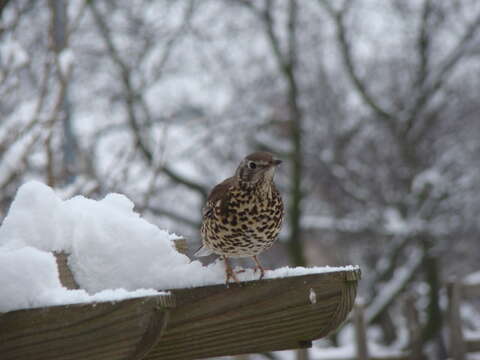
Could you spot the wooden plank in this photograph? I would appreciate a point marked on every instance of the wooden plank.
(457, 343)
(470, 291)
(151, 337)
(84, 331)
(256, 316)
(360, 332)
(414, 329)
(472, 344)
(181, 245)
(273, 314)
(65, 274)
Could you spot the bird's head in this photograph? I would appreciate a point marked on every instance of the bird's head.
(256, 167)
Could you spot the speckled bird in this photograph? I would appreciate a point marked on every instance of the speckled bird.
(244, 213)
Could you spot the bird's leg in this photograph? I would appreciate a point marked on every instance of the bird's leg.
(258, 267)
(229, 272)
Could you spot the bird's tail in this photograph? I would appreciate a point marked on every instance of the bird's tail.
(203, 251)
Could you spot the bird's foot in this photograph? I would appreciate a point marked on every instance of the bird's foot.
(261, 269)
(230, 274)
(258, 267)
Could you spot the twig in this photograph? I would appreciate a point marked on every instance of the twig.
(133, 98)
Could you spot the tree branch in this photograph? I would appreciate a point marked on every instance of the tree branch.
(274, 41)
(132, 98)
(3, 5)
(423, 47)
(127, 84)
(391, 290)
(432, 86)
(338, 17)
(174, 216)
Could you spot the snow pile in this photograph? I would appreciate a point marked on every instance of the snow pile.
(110, 247)
(29, 278)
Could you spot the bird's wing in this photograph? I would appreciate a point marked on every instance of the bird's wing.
(219, 198)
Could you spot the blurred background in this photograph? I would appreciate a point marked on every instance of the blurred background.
(373, 105)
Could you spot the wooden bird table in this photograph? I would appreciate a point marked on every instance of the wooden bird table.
(194, 323)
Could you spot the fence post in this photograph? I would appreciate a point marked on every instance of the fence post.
(414, 329)
(360, 331)
(457, 343)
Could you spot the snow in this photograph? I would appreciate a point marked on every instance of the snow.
(114, 253)
(472, 335)
(349, 351)
(473, 278)
(29, 279)
(396, 224)
(429, 177)
(66, 59)
(346, 351)
(395, 285)
(12, 52)
(313, 296)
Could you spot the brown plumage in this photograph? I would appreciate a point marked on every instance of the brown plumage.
(244, 213)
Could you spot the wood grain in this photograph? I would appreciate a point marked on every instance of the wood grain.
(88, 331)
(256, 316)
(66, 276)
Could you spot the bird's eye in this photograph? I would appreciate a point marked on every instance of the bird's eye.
(252, 165)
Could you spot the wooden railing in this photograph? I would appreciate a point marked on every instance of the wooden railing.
(255, 316)
(459, 344)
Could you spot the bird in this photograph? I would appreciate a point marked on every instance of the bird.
(243, 214)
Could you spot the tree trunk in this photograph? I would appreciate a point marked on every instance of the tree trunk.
(60, 42)
(296, 157)
(432, 329)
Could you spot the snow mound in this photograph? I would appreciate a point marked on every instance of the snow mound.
(29, 279)
(114, 253)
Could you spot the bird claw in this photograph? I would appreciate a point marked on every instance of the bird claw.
(258, 267)
(232, 275)
(262, 271)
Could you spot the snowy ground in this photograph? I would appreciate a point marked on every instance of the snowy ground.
(114, 253)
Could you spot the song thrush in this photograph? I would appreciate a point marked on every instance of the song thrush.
(244, 213)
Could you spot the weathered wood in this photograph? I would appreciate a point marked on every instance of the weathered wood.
(242, 357)
(181, 245)
(302, 354)
(414, 330)
(103, 331)
(153, 333)
(65, 274)
(256, 316)
(472, 344)
(470, 290)
(360, 332)
(457, 343)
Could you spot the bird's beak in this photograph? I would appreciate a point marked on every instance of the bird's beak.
(276, 162)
